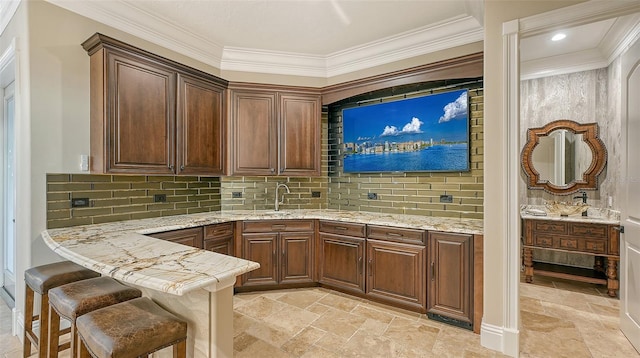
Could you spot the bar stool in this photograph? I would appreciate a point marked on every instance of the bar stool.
(41, 279)
(74, 299)
(133, 328)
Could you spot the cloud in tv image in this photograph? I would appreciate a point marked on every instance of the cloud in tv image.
(427, 133)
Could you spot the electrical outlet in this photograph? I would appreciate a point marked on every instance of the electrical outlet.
(372, 196)
(446, 198)
(80, 202)
(315, 194)
(159, 198)
(236, 194)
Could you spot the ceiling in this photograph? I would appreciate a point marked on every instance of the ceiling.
(325, 38)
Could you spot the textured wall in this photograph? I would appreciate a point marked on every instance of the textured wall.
(583, 97)
(125, 197)
(412, 193)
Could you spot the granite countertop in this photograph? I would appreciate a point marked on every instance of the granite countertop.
(594, 215)
(123, 251)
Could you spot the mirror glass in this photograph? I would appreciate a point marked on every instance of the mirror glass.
(563, 157)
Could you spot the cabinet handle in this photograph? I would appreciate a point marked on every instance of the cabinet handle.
(340, 228)
(360, 265)
(433, 271)
(181, 167)
(394, 234)
(370, 264)
(170, 166)
(278, 226)
(272, 170)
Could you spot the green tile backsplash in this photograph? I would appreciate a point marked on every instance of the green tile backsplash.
(125, 197)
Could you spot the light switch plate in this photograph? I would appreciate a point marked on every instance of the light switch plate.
(84, 162)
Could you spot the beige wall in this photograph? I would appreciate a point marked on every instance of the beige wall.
(497, 13)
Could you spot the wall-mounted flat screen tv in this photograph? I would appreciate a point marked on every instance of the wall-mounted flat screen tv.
(426, 133)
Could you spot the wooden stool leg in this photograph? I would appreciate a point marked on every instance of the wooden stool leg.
(612, 280)
(43, 339)
(180, 349)
(28, 321)
(54, 332)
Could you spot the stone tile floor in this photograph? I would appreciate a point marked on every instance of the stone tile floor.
(559, 319)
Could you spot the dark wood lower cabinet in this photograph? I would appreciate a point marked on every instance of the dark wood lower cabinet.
(296, 265)
(396, 273)
(190, 237)
(341, 262)
(219, 238)
(261, 248)
(450, 297)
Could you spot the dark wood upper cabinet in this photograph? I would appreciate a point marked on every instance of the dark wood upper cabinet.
(201, 126)
(275, 131)
(151, 115)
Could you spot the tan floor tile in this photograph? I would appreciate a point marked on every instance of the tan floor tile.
(375, 327)
(331, 342)
(9, 343)
(303, 341)
(604, 310)
(261, 307)
(271, 335)
(318, 308)
(530, 304)
(368, 311)
(339, 302)
(291, 320)
(415, 334)
(367, 345)
(302, 298)
(262, 349)
(242, 341)
(544, 345)
(343, 324)
(318, 352)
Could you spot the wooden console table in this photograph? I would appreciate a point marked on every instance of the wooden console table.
(599, 240)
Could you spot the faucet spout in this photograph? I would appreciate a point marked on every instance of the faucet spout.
(277, 202)
(584, 200)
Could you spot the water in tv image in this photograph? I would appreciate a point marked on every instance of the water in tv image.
(428, 133)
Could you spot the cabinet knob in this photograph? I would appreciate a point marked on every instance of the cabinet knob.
(170, 166)
(272, 170)
(181, 167)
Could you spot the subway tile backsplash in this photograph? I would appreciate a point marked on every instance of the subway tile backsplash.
(125, 197)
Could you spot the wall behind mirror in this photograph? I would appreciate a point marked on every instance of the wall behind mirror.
(583, 97)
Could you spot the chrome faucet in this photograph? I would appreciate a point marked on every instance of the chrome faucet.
(584, 200)
(277, 203)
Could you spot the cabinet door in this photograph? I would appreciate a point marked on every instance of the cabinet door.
(261, 248)
(300, 135)
(222, 246)
(296, 262)
(396, 273)
(450, 284)
(254, 132)
(341, 262)
(200, 127)
(140, 116)
(190, 237)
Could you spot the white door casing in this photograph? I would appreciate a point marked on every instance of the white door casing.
(630, 189)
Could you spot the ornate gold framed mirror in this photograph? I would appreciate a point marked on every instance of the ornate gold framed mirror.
(563, 157)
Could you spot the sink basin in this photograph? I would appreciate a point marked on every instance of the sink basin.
(566, 209)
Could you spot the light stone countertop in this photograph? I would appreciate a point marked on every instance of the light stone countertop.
(594, 215)
(123, 251)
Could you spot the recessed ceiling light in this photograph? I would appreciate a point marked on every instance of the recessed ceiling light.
(558, 37)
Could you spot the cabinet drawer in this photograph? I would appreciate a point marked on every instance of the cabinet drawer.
(396, 234)
(597, 246)
(278, 225)
(550, 226)
(218, 231)
(340, 228)
(589, 230)
(543, 240)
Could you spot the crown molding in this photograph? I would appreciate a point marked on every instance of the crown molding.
(580, 14)
(126, 17)
(457, 31)
(630, 37)
(563, 64)
(7, 10)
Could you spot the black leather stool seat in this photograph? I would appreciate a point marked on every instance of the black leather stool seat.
(43, 278)
(134, 328)
(77, 298)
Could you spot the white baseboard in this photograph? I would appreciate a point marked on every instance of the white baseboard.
(500, 339)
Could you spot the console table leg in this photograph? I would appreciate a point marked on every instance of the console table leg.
(528, 265)
(612, 279)
(598, 264)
